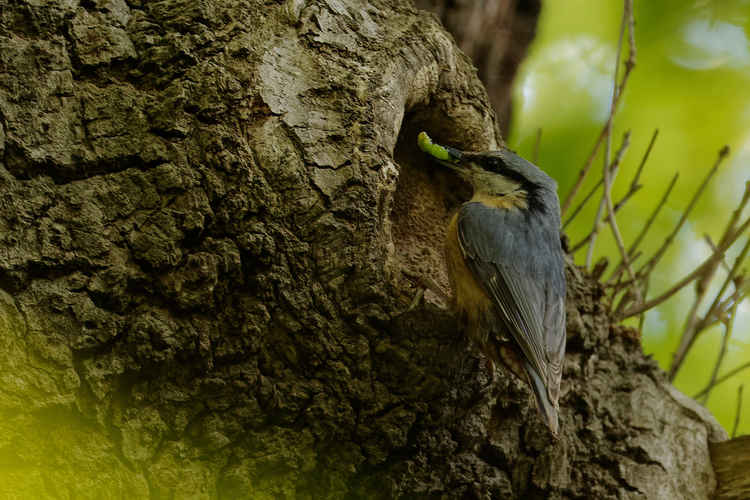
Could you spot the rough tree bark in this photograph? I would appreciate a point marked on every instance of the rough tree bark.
(213, 219)
(731, 461)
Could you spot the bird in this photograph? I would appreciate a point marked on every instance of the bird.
(506, 267)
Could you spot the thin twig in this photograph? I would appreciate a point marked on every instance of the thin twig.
(630, 63)
(738, 261)
(642, 316)
(721, 311)
(613, 168)
(591, 238)
(617, 273)
(694, 325)
(688, 335)
(648, 266)
(711, 245)
(617, 93)
(584, 170)
(632, 250)
(584, 202)
(607, 170)
(625, 301)
(728, 328)
(742, 287)
(616, 231)
(608, 140)
(536, 146)
(724, 378)
(737, 413)
(697, 272)
(653, 215)
(634, 186)
(733, 272)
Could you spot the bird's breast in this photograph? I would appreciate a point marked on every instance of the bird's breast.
(469, 298)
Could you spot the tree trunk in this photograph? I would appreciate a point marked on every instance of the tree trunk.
(495, 34)
(731, 461)
(213, 221)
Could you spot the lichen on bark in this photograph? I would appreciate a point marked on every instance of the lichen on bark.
(213, 219)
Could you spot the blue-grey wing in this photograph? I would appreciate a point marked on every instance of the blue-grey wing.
(516, 256)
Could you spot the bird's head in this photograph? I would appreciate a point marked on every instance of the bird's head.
(493, 172)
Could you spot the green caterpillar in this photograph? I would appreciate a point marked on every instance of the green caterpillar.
(432, 149)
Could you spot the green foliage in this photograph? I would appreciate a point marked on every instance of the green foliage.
(690, 82)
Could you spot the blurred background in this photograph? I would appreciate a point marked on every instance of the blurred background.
(692, 82)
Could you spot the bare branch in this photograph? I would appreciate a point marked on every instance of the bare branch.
(538, 141)
(694, 325)
(648, 266)
(583, 203)
(625, 301)
(729, 327)
(617, 93)
(591, 238)
(617, 286)
(738, 261)
(634, 186)
(614, 169)
(711, 245)
(630, 63)
(585, 170)
(731, 276)
(632, 250)
(616, 230)
(688, 337)
(738, 411)
(722, 310)
(698, 272)
(608, 138)
(724, 378)
(642, 316)
(653, 215)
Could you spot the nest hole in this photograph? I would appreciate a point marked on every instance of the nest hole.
(427, 195)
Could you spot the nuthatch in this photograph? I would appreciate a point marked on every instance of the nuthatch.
(506, 267)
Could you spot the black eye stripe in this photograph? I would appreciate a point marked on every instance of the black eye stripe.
(496, 165)
(512, 174)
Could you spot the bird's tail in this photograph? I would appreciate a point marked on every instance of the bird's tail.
(547, 408)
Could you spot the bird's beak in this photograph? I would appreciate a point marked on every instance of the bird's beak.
(446, 155)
